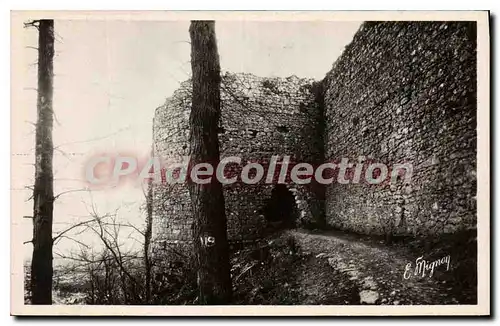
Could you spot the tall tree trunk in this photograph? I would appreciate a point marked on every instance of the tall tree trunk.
(209, 218)
(147, 240)
(43, 193)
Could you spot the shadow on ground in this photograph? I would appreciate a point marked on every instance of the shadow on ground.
(336, 268)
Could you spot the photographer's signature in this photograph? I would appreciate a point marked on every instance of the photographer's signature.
(424, 268)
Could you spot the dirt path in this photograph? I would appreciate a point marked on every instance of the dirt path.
(373, 272)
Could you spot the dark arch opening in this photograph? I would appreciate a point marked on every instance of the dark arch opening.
(281, 210)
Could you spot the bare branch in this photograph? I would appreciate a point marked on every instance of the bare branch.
(33, 23)
(71, 228)
(70, 191)
(60, 237)
(128, 225)
(93, 139)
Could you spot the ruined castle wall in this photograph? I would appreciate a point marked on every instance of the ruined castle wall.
(261, 117)
(405, 92)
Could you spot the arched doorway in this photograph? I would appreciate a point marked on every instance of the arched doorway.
(281, 210)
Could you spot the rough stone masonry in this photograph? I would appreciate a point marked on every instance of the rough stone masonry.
(400, 92)
(405, 92)
(261, 117)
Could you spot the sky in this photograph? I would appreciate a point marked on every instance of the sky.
(110, 76)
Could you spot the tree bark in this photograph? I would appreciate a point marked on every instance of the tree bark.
(43, 193)
(209, 218)
(147, 240)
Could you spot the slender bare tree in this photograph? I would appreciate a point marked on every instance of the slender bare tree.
(147, 240)
(209, 219)
(43, 193)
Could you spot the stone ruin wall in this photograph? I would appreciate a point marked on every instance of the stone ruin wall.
(405, 92)
(261, 117)
(400, 92)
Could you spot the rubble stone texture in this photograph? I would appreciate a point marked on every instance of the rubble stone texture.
(405, 92)
(400, 92)
(261, 117)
